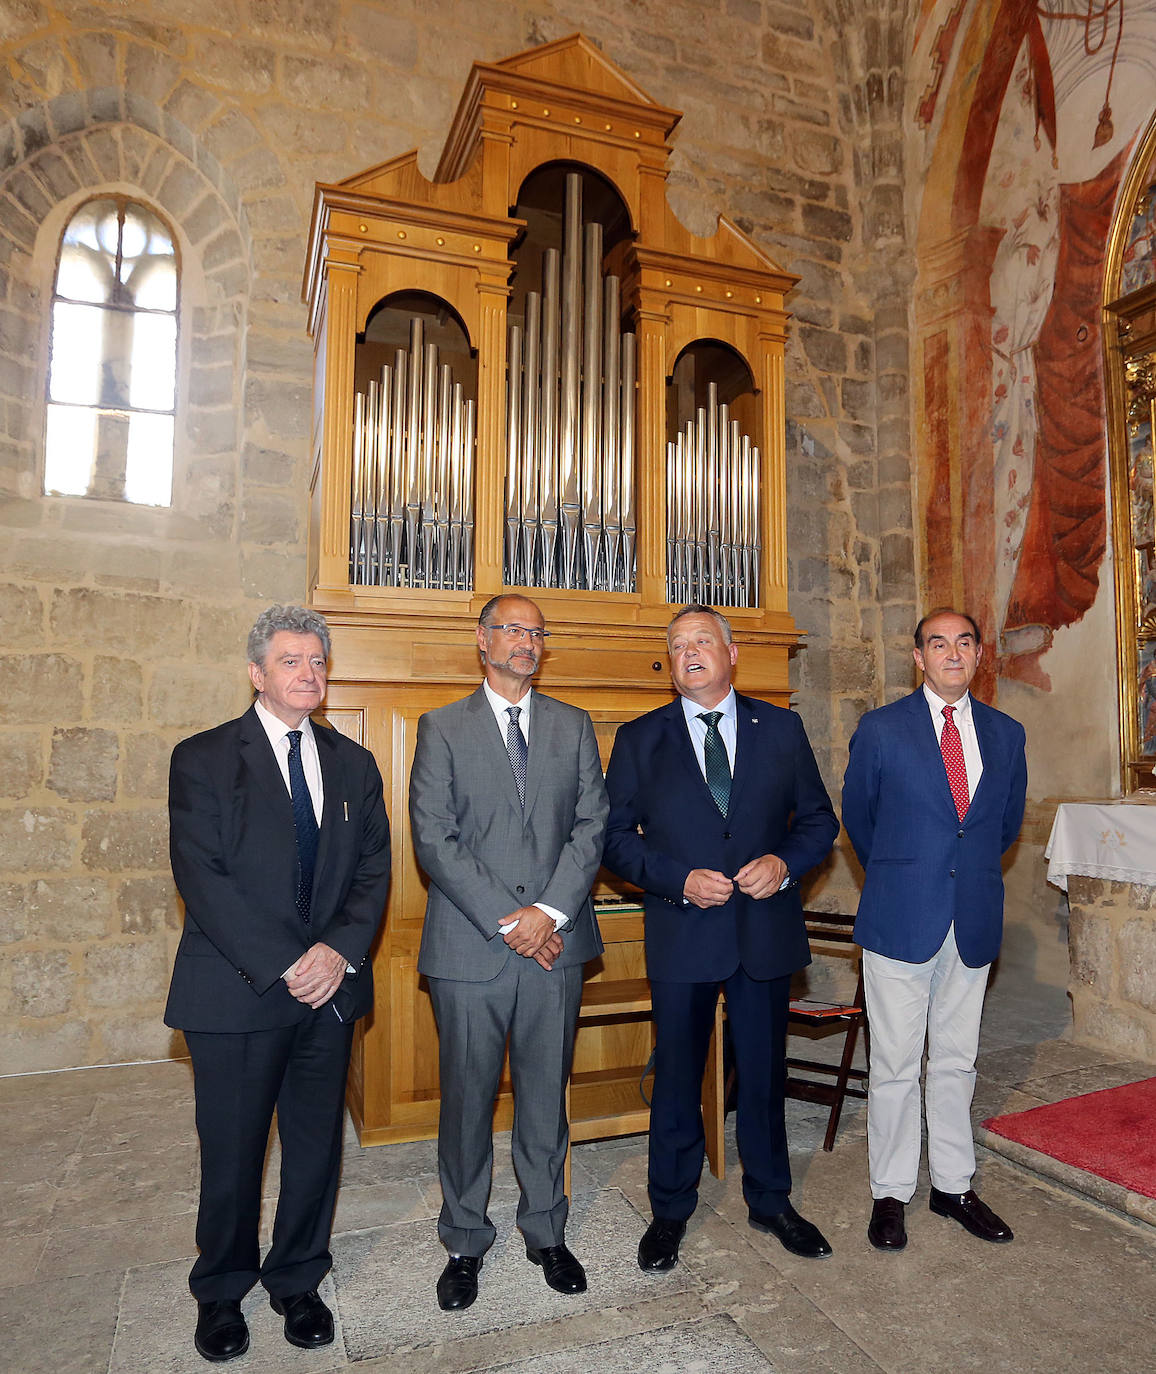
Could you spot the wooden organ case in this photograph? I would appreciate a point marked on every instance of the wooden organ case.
(529, 374)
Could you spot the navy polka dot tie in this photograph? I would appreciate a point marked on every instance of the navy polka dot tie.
(305, 824)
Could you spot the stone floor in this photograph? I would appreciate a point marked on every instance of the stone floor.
(99, 1170)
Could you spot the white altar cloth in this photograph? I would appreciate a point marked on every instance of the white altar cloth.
(1112, 840)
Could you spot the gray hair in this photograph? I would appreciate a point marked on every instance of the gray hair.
(695, 609)
(296, 619)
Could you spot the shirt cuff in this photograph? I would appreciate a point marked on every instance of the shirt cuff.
(558, 917)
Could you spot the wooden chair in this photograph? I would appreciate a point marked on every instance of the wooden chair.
(826, 927)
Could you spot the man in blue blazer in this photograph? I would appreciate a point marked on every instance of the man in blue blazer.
(280, 849)
(717, 810)
(932, 799)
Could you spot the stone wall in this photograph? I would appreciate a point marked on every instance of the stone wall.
(123, 627)
(1113, 973)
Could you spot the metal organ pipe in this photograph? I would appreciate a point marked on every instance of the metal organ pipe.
(713, 545)
(570, 400)
(411, 498)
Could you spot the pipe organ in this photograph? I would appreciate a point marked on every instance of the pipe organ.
(570, 436)
(528, 374)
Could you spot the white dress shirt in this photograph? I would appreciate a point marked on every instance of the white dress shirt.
(972, 759)
(278, 733)
(728, 731)
(499, 706)
(727, 728)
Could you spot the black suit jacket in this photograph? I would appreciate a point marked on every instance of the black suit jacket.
(664, 823)
(234, 859)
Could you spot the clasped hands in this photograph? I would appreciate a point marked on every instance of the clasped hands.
(316, 976)
(533, 936)
(762, 877)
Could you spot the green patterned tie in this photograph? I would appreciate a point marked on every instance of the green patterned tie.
(718, 768)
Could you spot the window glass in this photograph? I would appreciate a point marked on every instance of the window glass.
(110, 420)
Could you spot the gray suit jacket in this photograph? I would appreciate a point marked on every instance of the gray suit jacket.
(485, 857)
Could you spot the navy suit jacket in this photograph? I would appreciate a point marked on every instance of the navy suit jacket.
(234, 858)
(924, 867)
(664, 823)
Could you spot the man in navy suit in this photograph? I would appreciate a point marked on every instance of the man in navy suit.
(932, 799)
(280, 849)
(717, 810)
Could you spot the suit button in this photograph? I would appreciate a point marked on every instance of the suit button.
(726, 834)
(959, 834)
(519, 889)
(952, 873)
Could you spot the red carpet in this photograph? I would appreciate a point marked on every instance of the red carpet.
(1110, 1133)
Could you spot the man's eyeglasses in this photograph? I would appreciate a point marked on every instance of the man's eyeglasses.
(521, 631)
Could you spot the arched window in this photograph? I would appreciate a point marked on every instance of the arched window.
(112, 378)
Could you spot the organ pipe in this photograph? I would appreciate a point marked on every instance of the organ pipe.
(713, 542)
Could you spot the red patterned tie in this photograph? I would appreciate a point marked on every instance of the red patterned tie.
(952, 748)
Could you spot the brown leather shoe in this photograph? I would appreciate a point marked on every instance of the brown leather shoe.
(886, 1230)
(972, 1214)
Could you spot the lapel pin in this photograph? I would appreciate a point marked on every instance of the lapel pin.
(345, 808)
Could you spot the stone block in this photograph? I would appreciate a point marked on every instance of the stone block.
(824, 349)
(897, 566)
(67, 909)
(37, 982)
(150, 72)
(858, 398)
(115, 693)
(266, 467)
(83, 764)
(270, 519)
(235, 67)
(121, 973)
(211, 386)
(1136, 953)
(181, 189)
(127, 622)
(326, 84)
(34, 1048)
(826, 223)
(310, 23)
(23, 755)
(192, 105)
(117, 840)
(285, 408)
(815, 153)
(146, 905)
(268, 575)
(39, 687)
(138, 1038)
(145, 771)
(895, 508)
(195, 698)
(789, 19)
(1111, 1026)
(384, 37)
(13, 913)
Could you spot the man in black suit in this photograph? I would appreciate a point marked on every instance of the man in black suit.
(717, 810)
(280, 849)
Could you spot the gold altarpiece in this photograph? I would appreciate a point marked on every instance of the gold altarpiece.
(612, 443)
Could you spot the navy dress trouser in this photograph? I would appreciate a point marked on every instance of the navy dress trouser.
(683, 1019)
(239, 1079)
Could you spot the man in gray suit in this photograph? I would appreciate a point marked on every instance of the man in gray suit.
(508, 809)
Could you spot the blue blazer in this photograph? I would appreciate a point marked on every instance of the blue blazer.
(924, 867)
(664, 823)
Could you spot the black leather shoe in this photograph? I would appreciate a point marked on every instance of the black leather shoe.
(972, 1214)
(221, 1331)
(658, 1249)
(308, 1322)
(886, 1230)
(559, 1268)
(795, 1234)
(458, 1285)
